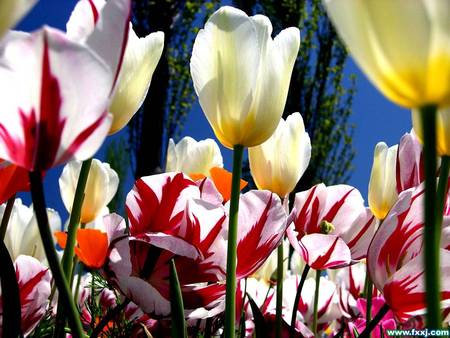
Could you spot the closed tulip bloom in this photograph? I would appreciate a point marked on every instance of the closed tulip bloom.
(278, 163)
(193, 157)
(241, 75)
(22, 234)
(101, 187)
(11, 11)
(442, 130)
(402, 46)
(382, 185)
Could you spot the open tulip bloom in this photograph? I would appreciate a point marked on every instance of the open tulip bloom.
(195, 254)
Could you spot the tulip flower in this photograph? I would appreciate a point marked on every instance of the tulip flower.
(350, 282)
(443, 129)
(279, 162)
(13, 178)
(412, 70)
(192, 157)
(92, 246)
(395, 257)
(138, 65)
(241, 75)
(169, 219)
(34, 284)
(101, 187)
(330, 226)
(61, 112)
(22, 233)
(382, 185)
(11, 13)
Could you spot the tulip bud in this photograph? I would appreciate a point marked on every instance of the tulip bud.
(410, 69)
(278, 163)
(193, 157)
(101, 187)
(139, 63)
(442, 129)
(241, 75)
(382, 185)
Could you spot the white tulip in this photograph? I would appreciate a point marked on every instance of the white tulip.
(22, 234)
(101, 187)
(241, 75)
(193, 157)
(278, 164)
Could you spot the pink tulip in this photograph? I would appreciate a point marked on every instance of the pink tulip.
(395, 257)
(34, 286)
(330, 226)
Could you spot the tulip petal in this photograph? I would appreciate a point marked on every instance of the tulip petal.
(13, 178)
(321, 251)
(222, 180)
(261, 226)
(92, 247)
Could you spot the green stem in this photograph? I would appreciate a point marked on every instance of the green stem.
(74, 221)
(37, 194)
(432, 228)
(178, 325)
(279, 305)
(230, 298)
(10, 296)
(297, 300)
(316, 302)
(6, 216)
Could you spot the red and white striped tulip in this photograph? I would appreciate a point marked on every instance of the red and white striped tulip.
(330, 226)
(395, 257)
(34, 287)
(409, 166)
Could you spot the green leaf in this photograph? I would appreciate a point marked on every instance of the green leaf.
(178, 327)
(260, 322)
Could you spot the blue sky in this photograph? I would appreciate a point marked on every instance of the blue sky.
(376, 119)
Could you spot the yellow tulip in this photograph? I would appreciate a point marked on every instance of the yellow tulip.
(382, 185)
(241, 75)
(140, 60)
(278, 163)
(442, 130)
(403, 46)
(11, 11)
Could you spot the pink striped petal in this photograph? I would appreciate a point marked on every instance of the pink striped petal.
(261, 227)
(409, 169)
(324, 251)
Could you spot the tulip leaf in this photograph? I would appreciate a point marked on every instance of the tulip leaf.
(10, 295)
(260, 322)
(178, 325)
